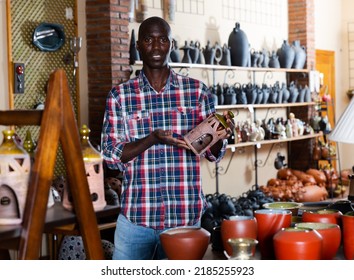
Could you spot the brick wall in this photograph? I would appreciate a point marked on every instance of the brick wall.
(107, 55)
(302, 27)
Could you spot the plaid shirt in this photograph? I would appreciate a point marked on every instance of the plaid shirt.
(161, 187)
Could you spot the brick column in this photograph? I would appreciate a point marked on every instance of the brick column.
(107, 55)
(301, 14)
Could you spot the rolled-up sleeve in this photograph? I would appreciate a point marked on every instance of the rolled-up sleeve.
(113, 137)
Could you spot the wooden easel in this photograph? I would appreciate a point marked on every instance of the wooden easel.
(57, 123)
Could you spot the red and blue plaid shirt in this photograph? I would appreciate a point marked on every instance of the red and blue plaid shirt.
(161, 187)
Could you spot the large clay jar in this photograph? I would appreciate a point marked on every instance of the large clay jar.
(269, 222)
(297, 244)
(185, 243)
(312, 193)
(300, 55)
(348, 235)
(331, 237)
(237, 227)
(286, 55)
(239, 47)
(331, 216)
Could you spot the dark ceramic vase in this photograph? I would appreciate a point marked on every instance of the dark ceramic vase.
(209, 54)
(226, 56)
(300, 55)
(193, 52)
(240, 94)
(174, 55)
(186, 53)
(274, 60)
(133, 52)
(239, 46)
(286, 55)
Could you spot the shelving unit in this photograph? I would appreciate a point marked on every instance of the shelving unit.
(250, 107)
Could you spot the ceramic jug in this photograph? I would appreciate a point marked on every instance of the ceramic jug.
(300, 55)
(238, 43)
(209, 54)
(286, 55)
(174, 55)
(186, 53)
(226, 56)
(133, 52)
(274, 60)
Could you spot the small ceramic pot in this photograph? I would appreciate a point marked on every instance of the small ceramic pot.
(292, 206)
(297, 244)
(331, 216)
(348, 235)
(269, 222)
(237, 227)
(331, 237)
(185, 243)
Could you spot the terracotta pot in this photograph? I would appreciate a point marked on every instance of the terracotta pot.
(269, 222)
(297, 244)
(331, 237)
(348, 235)
(330, 216)
(237, 227)
(185, 243)
(312, 193)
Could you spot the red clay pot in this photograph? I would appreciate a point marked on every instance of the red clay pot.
(348, 235)
(237, 227)
(331, 237)
(297, 244)
(269, 222)
(185, 243)
(330, 216)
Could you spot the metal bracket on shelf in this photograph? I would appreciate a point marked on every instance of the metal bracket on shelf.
(184, 71)
(267, 75)
(229, 74)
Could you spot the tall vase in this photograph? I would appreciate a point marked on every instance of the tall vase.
(133, 52)
(15, 168)
(239, 46)
(94, 172)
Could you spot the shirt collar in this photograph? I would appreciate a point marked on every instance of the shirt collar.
(172, 79)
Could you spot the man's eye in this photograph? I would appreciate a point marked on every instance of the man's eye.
(147, 40)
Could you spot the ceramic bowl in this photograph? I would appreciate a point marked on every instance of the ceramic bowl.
(331, 237)
(185, 243)
(292, 206)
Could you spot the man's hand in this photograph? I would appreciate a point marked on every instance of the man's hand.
(166, 137)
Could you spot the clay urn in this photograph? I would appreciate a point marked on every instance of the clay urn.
(294, 243)
(185, 243)
(331, 237)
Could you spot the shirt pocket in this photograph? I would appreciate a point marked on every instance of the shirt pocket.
(137, 125)
(183, 119)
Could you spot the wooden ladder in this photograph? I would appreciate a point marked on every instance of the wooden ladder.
(57, 125)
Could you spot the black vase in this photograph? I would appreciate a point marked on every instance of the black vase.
(239, 47)
(286, 55)
(133, 52)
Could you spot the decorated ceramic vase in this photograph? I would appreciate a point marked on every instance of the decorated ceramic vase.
(15, 167)
(286, 55)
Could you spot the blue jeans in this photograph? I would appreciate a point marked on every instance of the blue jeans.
(133, 242)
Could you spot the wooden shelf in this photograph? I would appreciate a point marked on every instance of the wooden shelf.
(264, 106)
(267, 142)
(225, 67)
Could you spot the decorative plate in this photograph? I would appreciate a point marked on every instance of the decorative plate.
(49, 36)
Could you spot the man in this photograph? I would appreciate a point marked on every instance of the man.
(144, 123)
